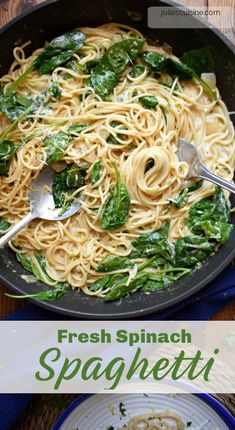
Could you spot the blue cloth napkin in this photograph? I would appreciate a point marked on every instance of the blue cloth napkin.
(201, 306)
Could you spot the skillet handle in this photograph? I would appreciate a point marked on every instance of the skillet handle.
(16, 228)
(204, 173)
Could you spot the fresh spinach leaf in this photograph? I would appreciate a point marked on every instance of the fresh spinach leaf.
(54, 54)
(13, 105)
(113, 63)
(217, 230)
(144, 281)
(25, 261)
(119, 288)
(55, 91)
(100, 284)
(183, 195)
(58, 291)
(75, 129)
(114, 212)
(164, 277)
(114, 262)
(95, 174)
(212, 208)
(66, 182)
(4, 226)
(221, 210)
(111, 139)
(90, 65)
(161, 64)
(7, 150)
(149, 102)
(200, 60)
(191, 250)
(56, 145)
(152, 244)
(153, 59)
(38, 269)
(58, 51)
(198, 212)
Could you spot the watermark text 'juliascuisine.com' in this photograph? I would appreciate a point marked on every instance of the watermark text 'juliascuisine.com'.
(171, 17)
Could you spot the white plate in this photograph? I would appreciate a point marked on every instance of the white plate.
(96, 412)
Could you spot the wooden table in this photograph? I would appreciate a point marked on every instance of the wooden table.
(11, 8)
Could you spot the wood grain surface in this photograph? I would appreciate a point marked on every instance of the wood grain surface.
(9, 9)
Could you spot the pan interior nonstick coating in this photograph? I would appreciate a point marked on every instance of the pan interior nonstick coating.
(55, 17)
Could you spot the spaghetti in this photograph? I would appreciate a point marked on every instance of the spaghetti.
(164, 420)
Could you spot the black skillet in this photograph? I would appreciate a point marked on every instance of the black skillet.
(55, 17)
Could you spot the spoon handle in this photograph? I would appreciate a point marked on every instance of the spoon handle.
(16, 228)
(209, 176)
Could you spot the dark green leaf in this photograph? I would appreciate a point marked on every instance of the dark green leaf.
(3, 167)
(100, 284)
(38, 269)
(95, 174)
(183, 195)
(162, 64)
(58, 51)
(202, 208)
(144, 281)
(164, 277)
(71, 65)
(90, 65)
(217, 230)
(200, 60)
(58, 291)
(55, 91)
(153, 59)
(7, 150)
(111, 139)
(191, 250)
(115, 209)
(221, 210)
(119, 288)
(114, 262)
(4, 226)
(25, 261)
(159, 261)
(66, 182)
(54, 54)
(149, 102)
(56, 145)
(113, 63)
(212, 208)
(150, 244)
(13, 105)
(75, 129)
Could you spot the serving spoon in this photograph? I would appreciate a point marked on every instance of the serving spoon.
(42, 205)
(188, 152)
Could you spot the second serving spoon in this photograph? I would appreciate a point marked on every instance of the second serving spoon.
(188, 153)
